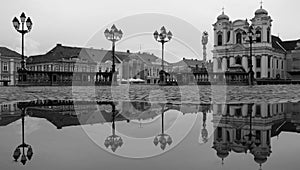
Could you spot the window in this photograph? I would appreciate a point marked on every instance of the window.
(5, 66)
(45, 68)
(277, 64)
(228, 36)
(220, 39)
(258, 74)
(269, 62)
(238, 60)
(239, 38)
(228, 62)
(258, 62)
(219, 63)
(238, 134)
(258, 113)
(269, 74)
(281, 64)
(258, 38)
(219, 131)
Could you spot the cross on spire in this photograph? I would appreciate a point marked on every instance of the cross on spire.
(223, 10)
(261, 3)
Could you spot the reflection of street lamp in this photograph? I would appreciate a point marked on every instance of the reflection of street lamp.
(20, 150)
(113, 141)
(162, 37)
(113, 35)
(204, 132)
(249, 143)
(162, 138)
(250, 37)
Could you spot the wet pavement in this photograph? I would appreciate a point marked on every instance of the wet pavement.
(150, 127)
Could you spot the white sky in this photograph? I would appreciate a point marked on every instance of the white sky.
(76, 22)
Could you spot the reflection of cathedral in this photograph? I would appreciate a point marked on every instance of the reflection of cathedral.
(235, 131)
(231, 49)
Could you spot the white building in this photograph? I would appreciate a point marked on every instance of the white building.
(231, 49)
(10, 62)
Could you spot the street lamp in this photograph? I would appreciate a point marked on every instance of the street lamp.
(113, 35)
(24, 149)
(163, 139)
(22, 31)
(113, 141)
(250, 37)
(162, 37)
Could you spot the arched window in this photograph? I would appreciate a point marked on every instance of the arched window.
(238, 60)
(219, 63)
(228, 36)
(239, 38)
(258, 36)
(220, 40)
(268, 35)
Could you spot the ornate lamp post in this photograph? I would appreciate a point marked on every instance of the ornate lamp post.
(162, 37)
(22, 31)
(250, 37)
(113, 141)
(113, 35)
(162, 138)
(24, 149)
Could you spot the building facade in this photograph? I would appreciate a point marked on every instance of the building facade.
(10, 62)
(231, 49)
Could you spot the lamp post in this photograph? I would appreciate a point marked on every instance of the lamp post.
(162, 37)
(113, 35)
(113, 141)
(250, 37)
(162, 138)
(22, 31)
(24, 149)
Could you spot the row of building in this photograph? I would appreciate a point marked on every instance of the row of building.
(85, 61)
(272, 58)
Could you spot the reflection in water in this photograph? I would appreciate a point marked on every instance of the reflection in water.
(113, 141)
(249, 127)
(23, 149)
(239, 128)
(162, 138)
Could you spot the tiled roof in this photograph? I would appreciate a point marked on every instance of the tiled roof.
(59, 52)
(9, 53)
(277, 43)
(290, 45)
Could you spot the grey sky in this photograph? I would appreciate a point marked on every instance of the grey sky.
(76, 22)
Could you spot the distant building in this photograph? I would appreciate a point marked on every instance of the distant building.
(293, 59)
(10, 62)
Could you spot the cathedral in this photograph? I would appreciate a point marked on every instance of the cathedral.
(232, 49)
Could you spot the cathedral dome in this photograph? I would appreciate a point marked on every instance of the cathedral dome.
(223, 16)
(261, 11)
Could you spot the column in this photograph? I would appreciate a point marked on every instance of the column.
(224, 64)
(254, 65)
(11, 72)
(271, 67)
(263, 67)
(231, 60)
(215, 65)
(245, 63)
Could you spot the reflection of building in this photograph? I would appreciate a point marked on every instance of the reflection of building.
(231, 49)
(232, 125)
(9, 64)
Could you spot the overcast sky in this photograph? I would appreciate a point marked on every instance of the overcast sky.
(81, 23)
